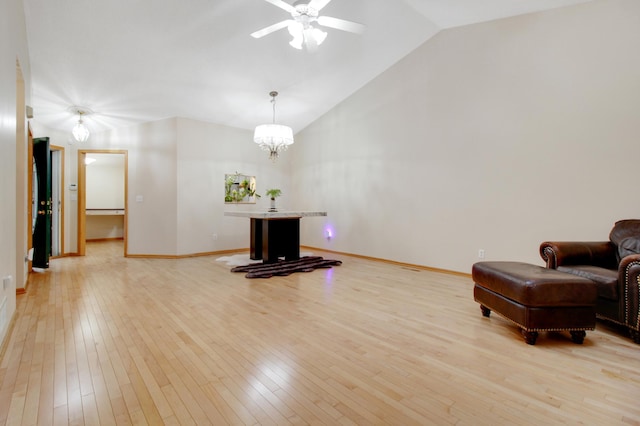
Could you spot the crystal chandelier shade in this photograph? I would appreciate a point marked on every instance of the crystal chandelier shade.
(80, 132)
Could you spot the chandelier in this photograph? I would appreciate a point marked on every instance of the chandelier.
(273, 137)
(80, 132)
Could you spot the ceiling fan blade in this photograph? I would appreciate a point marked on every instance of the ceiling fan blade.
(341, 24)
(271, 28)
(318, 4)
(282, 5)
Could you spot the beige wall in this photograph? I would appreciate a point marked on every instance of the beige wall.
(206, 152)
(177, 166)
(105, 182)
(151, 151)
(13, 96)
(496, 136)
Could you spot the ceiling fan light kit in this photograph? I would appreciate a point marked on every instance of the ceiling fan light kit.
(301, 27)
(310, 37)
(273, 138)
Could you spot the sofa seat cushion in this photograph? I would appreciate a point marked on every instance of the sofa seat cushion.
(606, 279)
(534, 286)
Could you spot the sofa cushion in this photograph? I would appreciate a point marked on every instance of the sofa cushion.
(629, 246)
(533, 285)
(623, 229)
(606, 279)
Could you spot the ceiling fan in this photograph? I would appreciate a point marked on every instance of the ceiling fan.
(304, 14)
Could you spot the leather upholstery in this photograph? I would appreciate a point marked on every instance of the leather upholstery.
(535, 298)
(625, 235)
(532, 285)
(558, 253)
(618, 277)
(606, 279)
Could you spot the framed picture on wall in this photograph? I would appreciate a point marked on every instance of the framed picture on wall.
(240, 188)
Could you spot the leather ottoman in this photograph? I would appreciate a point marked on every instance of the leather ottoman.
(536, 298)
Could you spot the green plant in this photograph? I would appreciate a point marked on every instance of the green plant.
(238, 187)
(273, 193)
(251, 189)
(228, 186)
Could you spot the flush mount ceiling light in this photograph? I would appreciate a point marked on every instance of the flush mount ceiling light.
(273, 137)
(80, 132)
(301, 27)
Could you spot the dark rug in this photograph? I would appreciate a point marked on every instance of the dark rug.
(286, 267)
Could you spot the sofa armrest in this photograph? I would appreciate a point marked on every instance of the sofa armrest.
(596, 253)
(630, 276)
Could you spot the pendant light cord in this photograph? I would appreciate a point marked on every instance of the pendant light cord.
(273, 101)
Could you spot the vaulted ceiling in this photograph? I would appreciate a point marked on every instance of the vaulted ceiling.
(133, 61)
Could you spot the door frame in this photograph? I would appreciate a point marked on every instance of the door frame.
(60, 183)
(82, 196)
(30, 197)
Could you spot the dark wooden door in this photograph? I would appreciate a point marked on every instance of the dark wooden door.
(42, 209)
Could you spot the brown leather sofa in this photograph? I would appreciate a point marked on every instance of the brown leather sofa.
(613, 265)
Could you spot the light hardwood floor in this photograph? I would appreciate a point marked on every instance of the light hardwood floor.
(108, 340)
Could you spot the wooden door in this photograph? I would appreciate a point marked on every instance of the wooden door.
(42, 209)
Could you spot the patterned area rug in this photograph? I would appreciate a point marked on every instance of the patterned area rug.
(286, 267)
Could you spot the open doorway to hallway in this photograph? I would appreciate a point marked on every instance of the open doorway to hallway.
(102, 198)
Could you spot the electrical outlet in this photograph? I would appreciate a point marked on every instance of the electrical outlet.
(215, 237)
(6, 282)
(481, 254)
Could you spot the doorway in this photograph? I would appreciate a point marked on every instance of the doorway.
(113, 204)
(57, 201)
(47, 201)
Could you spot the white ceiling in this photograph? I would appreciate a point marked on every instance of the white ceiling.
(133, 61)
